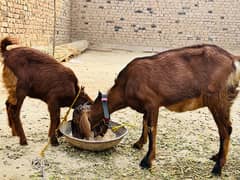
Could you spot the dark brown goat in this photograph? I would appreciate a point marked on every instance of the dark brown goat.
(181, 80)
(29, 72)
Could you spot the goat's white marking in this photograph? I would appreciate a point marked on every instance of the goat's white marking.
(237, 64)
(234, 77)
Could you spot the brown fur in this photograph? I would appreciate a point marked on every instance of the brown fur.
(29, 72)
(81, 127)
(180, 79)
(85, 125)
(10, 82)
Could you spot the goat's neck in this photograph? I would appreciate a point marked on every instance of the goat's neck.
(97, 114)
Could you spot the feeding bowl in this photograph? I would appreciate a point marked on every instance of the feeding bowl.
(93, 145)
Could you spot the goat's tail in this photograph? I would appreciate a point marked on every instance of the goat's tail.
(6, 42)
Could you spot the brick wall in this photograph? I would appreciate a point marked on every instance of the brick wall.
(63, 21)
(123, 23)
(32, 21)
(157, 23)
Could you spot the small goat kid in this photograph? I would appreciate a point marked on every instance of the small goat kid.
(181, 80)
(29, 72)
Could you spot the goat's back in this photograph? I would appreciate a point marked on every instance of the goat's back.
(177, 74)
(40, 73)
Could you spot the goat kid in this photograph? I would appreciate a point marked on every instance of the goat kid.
(29, 72)
(181, 80)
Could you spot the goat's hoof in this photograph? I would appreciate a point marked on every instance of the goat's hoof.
(23, 142)
(58, 133)
(214, 158)
(145, 164)
(217, 170)
(137, 145)
(54, 141)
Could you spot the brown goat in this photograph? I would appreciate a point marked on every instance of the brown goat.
(29, 72)
(81, 128)
(181, 80)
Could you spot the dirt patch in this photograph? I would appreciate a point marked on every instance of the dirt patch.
(185, 141)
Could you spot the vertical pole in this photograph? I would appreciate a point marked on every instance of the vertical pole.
(54, 28)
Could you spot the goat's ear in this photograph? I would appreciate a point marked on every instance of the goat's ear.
(82, 89)
(84, 125)
(99, 94)
(98, 97)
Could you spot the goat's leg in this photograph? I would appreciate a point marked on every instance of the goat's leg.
(10, 117)
(54, 111)
(15, 111)
(216, 156)
(143, 139)
(221, 156)
(152, 117)
(221, 117)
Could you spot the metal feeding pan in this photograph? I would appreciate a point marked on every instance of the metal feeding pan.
(93, 145)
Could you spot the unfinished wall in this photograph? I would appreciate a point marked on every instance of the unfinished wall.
(32, 21)
(157, 23)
